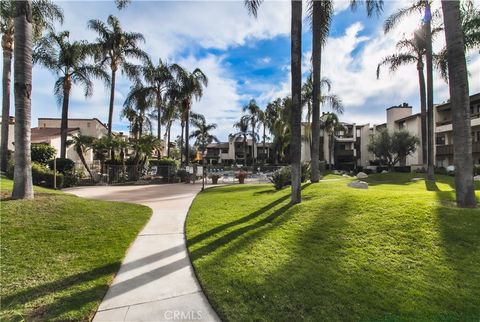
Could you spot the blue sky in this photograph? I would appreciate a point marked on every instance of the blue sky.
(248, 58)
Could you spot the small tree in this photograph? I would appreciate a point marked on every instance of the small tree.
(391, 148)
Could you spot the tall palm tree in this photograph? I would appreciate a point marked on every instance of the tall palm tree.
(243, 131)
(69, 61)
(421, 7)
(135, 109)
(321, 13)
(188, 85)
(44, 14)
(22, 176)
(253, 116)
(113, 48)
(81, 144)
(412, 52)
(460, 103)
(158, 83)
(170, 114)
(263, 119)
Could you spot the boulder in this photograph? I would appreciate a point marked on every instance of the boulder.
(362, 175)
(345, 176)
(337, 172)
(358, 185)
(476, 178)
(384, 171)
(416, 179)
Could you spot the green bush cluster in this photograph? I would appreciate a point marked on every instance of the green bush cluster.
(166, 167)
(283, 177)
(42, 153)
(41, 175)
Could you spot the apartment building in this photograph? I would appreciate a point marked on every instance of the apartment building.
(232, 152)
(444, 134)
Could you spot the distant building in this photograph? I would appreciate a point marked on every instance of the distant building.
(444, 134)
(11, 132)
(232, 152)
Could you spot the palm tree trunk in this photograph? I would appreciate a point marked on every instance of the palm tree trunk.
(187, 121)
(84, 162)
(159, 121)
(245, 150)
(253, 146)
(316, 62)
(423, 111)
(22, 177)
(168, 140)
(64, 122)
(460, 103)
(110, 110)
(430, 134)
(264, 155)
(7, 42)
(112, 98)
(181, 143)
(296, 70)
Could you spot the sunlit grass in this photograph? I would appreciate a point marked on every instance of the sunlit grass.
(396, 251)
(60, 252)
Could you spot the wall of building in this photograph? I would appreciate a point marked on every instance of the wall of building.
(90, 127)
(11, 136)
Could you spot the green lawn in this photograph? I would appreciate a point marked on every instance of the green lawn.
(397, 251)
(59, 253)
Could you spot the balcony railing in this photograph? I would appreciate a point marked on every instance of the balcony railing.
(448, 149)
(344, 153)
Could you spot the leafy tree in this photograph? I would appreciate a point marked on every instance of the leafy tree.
(113, 48)
(22, 176)
(69, 61)
(42, 153)
(44, 14)
(460, 103)
(331, 125)
(392, 148)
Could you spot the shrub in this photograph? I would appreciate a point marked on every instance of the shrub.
(183, 175)
(166, 167)
(214, 177)
(476, 169)
(282, 178)
(241, 175)
(441, 170)
(63, 165)
(42, 153)
(42, 176)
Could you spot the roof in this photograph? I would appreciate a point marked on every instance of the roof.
(409, 117)
(446, 105)
(221, 145)
(45, 134)
(72, 119)
(404, 105)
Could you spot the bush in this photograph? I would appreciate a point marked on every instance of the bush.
(441, 170)
(41, 175)
(42, 153)
(63, 165)
(283, 177)
(476, 169)
(166, 168)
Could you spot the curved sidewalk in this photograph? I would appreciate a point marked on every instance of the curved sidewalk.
(156, 281)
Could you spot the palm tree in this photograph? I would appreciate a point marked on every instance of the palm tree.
(159, 81)
(421, 6)
(331, 125)
(44, 14)
(460, 103)
(81, 144)
(170, 114)
(253, 116)
(243, 131)
(188, 85)
(68, 60)
(113, 48)
(202, 133)
(22, 177)
(135, 109)
(263, 119)
(412, 52)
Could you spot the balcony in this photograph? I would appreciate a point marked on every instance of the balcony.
(448, 149)
(344, 153)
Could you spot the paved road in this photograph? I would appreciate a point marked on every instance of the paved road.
(156, 281)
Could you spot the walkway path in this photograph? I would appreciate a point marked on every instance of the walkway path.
(156, 281)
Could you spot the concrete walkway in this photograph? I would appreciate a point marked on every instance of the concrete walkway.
(156, 281)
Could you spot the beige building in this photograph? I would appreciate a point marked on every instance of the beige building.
(444, 134)
(11, 132)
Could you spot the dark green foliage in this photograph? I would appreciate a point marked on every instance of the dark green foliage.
(393, 147)
(283, 177)
(44, 177)
(42, 153)
(63, 165)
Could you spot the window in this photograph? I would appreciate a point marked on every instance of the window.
(478, 136)
(88, 124)
(401, 125)
(440, 140)
(359, 133)
(224, 150)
